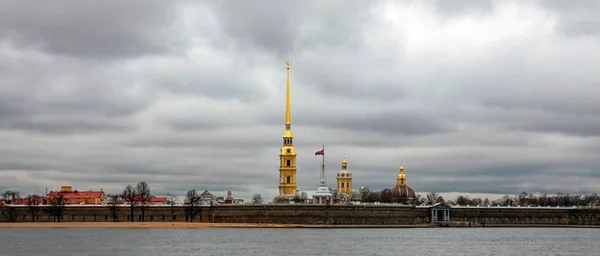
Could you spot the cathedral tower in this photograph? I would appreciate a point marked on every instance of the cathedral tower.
(344, 179)
(287, 156)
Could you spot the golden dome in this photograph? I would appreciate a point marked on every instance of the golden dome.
(287, 134)
(401, 175)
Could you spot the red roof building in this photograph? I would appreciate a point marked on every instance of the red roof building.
(25, 201)
(79, 197)
(153, 200)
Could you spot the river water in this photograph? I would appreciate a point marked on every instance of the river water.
(297, 241)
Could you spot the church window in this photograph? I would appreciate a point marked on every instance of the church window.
(289, 163)
(289, 179)
(342, 185)
(288, 151)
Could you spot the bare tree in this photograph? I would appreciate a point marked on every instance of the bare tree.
(56, 206)
(131, 197)
(11, 195)
(144, 195)
(257, 199)
(192, 203)
(386, 196)
(355, 196)
(303, 196)
(335, 194)
(171, 201)
(365, 194)
(431, 198)
(114, 205)
(34, 206)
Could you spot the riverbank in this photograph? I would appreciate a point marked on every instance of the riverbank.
(250, 225)
(184, 225)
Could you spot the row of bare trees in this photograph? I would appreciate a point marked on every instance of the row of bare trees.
(529, 199)
(53, 206)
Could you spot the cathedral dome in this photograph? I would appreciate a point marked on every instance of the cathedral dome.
(403, 192)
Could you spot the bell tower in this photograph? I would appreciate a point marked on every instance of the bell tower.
(287, 155)
(344, 179)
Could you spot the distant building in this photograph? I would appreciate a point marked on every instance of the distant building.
(78, 197)
(238, 201)
(207, 196)
(229, 198)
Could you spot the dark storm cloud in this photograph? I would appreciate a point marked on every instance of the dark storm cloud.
(61, 96)
(107, 29)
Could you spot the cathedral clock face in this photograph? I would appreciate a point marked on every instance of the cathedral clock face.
(288, 151)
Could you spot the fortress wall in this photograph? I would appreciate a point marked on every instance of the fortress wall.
(321, 214)
(525, 215)
(314, 214)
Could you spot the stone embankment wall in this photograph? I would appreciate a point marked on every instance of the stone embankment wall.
(525, 215)
(313, 214)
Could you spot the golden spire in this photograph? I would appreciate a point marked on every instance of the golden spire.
(287, 97)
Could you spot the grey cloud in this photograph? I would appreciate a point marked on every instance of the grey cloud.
(63, 98)
(285, 28)
(388, 122)
(510, 114)
(457, 8)
(61, 126)
(575, 18)
(110, 29)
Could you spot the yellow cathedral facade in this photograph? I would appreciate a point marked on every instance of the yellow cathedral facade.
(344, 179)
(287, 155)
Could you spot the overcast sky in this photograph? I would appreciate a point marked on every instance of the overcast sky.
(472, 96)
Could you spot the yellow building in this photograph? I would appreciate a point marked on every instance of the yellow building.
(287, 155)
(78, 197)
(344, 179)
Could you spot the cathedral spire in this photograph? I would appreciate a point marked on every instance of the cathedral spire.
(287, 155)
(287, 98)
